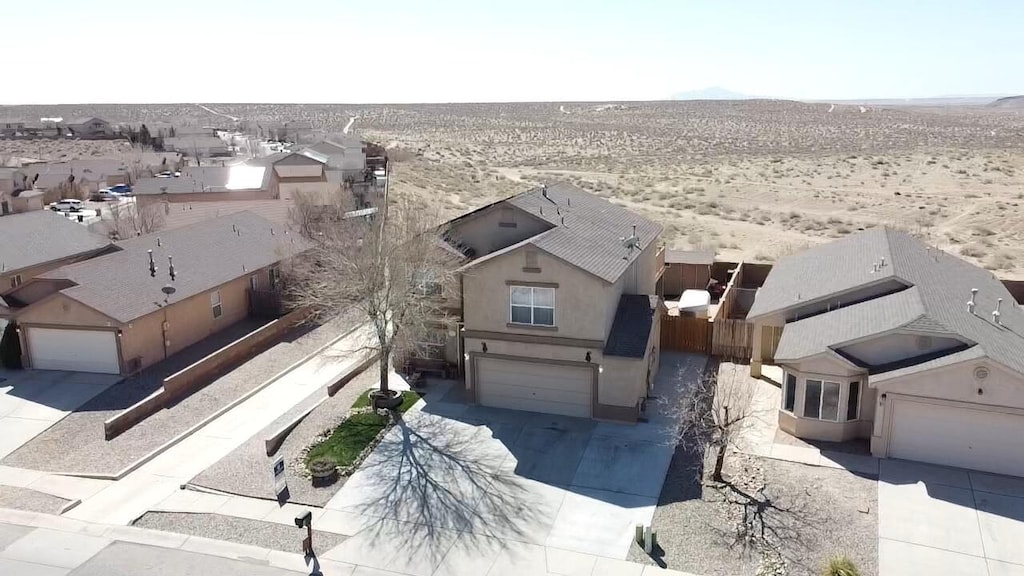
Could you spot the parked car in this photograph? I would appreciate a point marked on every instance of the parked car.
(122, 189)
(67, 205)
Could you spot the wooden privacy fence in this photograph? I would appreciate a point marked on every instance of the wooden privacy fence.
(686, 334)
(732, 338)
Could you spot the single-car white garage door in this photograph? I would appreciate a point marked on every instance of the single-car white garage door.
(957, 435)
(77, 350)
(536, 387)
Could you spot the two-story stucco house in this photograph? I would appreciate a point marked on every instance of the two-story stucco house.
(886, 338)
(558, 303)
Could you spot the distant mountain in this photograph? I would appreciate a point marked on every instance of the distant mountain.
(712, 93)
(1014, 102)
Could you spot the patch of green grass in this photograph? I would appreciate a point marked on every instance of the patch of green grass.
(349, 439)
(409, 397)
(352, 436)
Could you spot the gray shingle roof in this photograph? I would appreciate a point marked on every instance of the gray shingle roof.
(632, 326)
(942, 283)
(587, 229)
(815, 334)
(689, 257)
(42, 236)
(206, 255)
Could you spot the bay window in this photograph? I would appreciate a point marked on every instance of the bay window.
(820, 398)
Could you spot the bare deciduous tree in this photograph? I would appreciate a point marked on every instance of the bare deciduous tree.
(130, 219)
(392, 268)
(712, 411)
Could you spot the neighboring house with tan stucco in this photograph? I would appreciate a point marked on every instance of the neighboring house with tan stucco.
(37, 242)
(886, 338)
(121, 312)
(240, 182)
(558, 304)
(293, 173)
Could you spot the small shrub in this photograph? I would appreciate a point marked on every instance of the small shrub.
(840, 566)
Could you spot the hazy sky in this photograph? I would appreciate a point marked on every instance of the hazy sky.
(61, 51)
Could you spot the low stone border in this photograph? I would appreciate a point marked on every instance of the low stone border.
(275, 440)
(298, 464)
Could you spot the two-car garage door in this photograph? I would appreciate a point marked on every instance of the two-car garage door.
(76, 350)
(536, 387)
(957, 435)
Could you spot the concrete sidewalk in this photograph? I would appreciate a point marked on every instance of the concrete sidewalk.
(33, 544)
(139, 491)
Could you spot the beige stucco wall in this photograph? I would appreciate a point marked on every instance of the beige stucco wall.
(1002, 390)
(582, 302)
(484, 233)
(234, 195)
(189, 321)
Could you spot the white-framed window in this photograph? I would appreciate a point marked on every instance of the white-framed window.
(254, 283)
(532, 305)
(275, 277)
(15, 280)
(215, 304)
(821, 400)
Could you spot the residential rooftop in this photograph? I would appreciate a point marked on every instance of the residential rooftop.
(585, 230)
(205, 255)
(931, 289)
(42, 236)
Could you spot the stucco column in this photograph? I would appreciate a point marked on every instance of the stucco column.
(755, 357)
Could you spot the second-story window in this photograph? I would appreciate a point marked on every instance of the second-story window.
(532, 305)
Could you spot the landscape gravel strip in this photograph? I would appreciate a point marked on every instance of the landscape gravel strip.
(77, 444)
(820, 512)
(272, 535)
(30, 500)
(247, 470)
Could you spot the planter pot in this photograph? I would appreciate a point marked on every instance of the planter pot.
(390, 401)
(323, 472)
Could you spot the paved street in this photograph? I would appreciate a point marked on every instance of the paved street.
(33, 400)
(947, 521)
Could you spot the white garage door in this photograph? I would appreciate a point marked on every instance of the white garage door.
(77, 350)
(957, 436)
(547, 388)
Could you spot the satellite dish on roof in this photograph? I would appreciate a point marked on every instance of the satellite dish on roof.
(168, 290)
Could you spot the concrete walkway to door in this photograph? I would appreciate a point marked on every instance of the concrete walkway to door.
(948, 521)
(33, 400)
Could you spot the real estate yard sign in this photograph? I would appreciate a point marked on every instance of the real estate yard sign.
(280, 484)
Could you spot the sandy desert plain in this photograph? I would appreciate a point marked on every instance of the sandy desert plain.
(753, 179)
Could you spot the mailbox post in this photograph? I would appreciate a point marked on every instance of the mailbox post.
(306, 520)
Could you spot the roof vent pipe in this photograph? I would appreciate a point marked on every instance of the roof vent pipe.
(152, 264)
(544, 190)
(882, 265)
(995, 313)
(158, 241)
(970, 304)
(170, 266)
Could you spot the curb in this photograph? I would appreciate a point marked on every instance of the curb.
(196, 427)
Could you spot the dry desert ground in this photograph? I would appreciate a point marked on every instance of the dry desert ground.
(751, 179)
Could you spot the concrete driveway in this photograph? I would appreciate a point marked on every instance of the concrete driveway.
(455, 488)
(947, 521)
(33, 400)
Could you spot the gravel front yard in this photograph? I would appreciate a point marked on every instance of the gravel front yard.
(240, 530)
(246, 471)
(808, 513)
(76, 443)
(30, 500)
